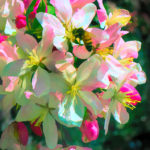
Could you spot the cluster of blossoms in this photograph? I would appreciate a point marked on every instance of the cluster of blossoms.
(59, 67)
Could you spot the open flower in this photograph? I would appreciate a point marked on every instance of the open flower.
(8, 53)
(43, 108)
(77, 87)
(32, 58)
(68, 25)
(121, 60)
(120, 16)
(115, 101)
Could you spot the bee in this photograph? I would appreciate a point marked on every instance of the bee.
(83, 37)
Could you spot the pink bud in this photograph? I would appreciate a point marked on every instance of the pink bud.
(131, 92)
(21, 21)
(90, 130)
(3, 38)
(23, 133)
(32, 14)
(36, 129)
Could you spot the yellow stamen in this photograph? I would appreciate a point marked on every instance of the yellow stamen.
(68, 30)
(128, 102)
(126, 61)
(73, 90)
(33, 59)
(105, 52)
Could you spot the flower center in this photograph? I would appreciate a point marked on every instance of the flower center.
(104, 52)
(78, 36)
(127, 100)
(126, 61)
(33, 59)
(73, 90)
(68, 30)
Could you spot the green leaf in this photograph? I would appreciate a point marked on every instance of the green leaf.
(50, 131)
(41, 7)
(29, 112)
(13, 68)
(34, 27)
(71, 111)
(29, 10)
(41, 82)
(91, 101)
(51, 9)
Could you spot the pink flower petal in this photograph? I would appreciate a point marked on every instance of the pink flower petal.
(64, 9)
(81, 52)
(131, 92)
(102, 16)
(120, 114)
(114, 33)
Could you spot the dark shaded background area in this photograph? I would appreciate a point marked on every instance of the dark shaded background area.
(135, 135)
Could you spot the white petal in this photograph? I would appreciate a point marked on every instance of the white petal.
(83, 17)
(10, 28)
(120, 114)
(64, 9)
(48, 19)
(60, 43)
(46, 42)
(26, 41)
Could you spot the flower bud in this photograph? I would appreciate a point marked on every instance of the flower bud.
(90, 130)
(22, 133)
(21, 21)
(36, 129)
(3, 38)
